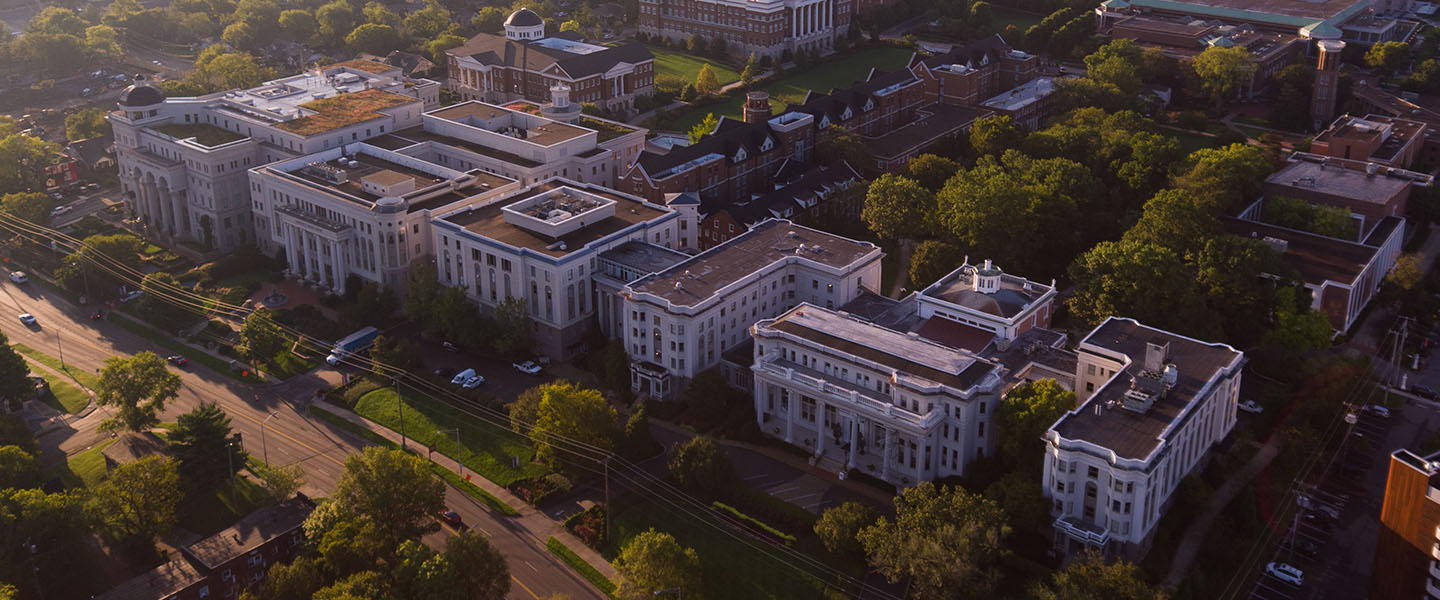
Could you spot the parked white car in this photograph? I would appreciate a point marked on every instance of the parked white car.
(28, 319)
(473, 382)
(528, 367)
(1252, 407)
(1286, 573)
(18, 277)
(462, 377)
(1377, 410)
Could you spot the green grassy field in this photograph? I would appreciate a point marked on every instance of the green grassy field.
(85, 469)
(486, 448)
(64, 395)
(83, 377)
(685, 67)
(287, 364)
(207, 512)
(1190, 142)
(595, 578)
(1004, 17)
(792, 89)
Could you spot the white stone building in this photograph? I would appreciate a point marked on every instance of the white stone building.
(857, 395)
(677, 322)
(541, 244)
(1152, 403)
(182, 161)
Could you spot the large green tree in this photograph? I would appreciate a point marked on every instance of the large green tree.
(1174, 220)
(897, 206)
(86, 124)
(298, 24)
(569, 413)
(1389, 57)
(15, 383)
(205, 446)
(372, 38)
(1222, 71)
(653, 561)
(1093, 578)
(1024, 414)
(479, 569)
(136, 389)
(931, 260)
(139, 500)
(942, 539)
(932, 171)
(261, 338)
(1226, 179)
(28, 206)
(839, 526)
(18, 468)
(1138, 280)
(428, 22)
(394, 490)
(994, 135)
(702, 466)
(56, 524)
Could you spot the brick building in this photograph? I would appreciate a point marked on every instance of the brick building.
(1183, 38)
(227, 563)
(804, 194)
(971, 73)
(525, 64)
(1407, 553)
(760, 27)
(1370, 192)
(1388, 141)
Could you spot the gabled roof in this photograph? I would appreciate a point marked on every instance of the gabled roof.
(91, 150)
(983, 50)
(729, 136)
(585, 65)
(809, 186)
(490, 49)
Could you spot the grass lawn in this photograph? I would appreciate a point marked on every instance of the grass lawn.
(792, 89)
(686, 67)
(287, 364)
(81, 376)
(63, 395)
(209, 511)
(1003, 17)
(487, 448)
(596, 578)
(169, 345)
(722, 557)
(1251, 132)
(84, 470)
(1190, 142)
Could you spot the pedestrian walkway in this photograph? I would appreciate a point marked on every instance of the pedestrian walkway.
(1195, 534)
(531, 521)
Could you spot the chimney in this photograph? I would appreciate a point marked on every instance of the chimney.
(1155, 355)
(757, 107)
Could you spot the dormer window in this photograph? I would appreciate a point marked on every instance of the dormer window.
(846, 115)
(766, 145)
(869, 105)
(740, 155)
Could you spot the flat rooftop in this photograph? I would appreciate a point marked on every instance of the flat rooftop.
(1317, 258)
(1340, 177)
(416, 135)
(911, 356)
(1131, 434)
(942, 120)
(548, 133)
(1029, 93)
(1286, 12)
(369, 167)
(344, 110)
(1390, 133)
(489, 221)
(704, 274)
(644, 257)
(205, 135)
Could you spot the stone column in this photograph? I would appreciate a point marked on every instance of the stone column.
(889, 449)
(820, 430)
(854, 442)
(790, 410)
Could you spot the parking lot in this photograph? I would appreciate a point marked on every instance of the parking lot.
(1329, 535)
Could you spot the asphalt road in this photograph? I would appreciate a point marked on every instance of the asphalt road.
(290, 437)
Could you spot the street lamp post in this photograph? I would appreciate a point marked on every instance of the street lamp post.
(230, 460)
(459, 465)
(264, 449)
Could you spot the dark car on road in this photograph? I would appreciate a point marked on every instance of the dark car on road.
(451, 517)
(1424, 392)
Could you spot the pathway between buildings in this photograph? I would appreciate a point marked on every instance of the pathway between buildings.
(1195, 534)
(902, 262)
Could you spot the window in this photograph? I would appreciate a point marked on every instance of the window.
(1092, 472)
(1089, 369)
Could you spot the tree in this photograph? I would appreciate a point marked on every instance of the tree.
(1143, 281)
(942, 539)
(379, 14)
(1294, 213)
(1408, 274)
(1222, 70)
(1174, 220)
(280, 481)
(55, 523)
(159, 305)
(15, 384)
(654, 561)
(19, 149)
(14, 432)
(428, 22)
(57, 20)
(996, 134)
(701, 466)
(241, 36)
(203, 445)
(837, 144)
(897, 206)
(1298, 330)
(571, 25)
(1022, 417)
(526, 408)
(136, 388)
(365, 585)
(638, 442)
(480, 570)
(232, 70)
(261, 339)
(703, 128)
(513, 321)
(27, 206)
(688, 94)
(1389, 57)
(139, 500)
(1226, 179)
(389, 352)
(372, 38)
(79, 270)
(445, 41)
(1118, 63)
(1093, 578)
(706, 397)
(86, 124)
(1292, 86)
(335, 19)
(1026, 506)
(394, 490)
(706, 82)
(695, 44)
(488, 19)
(839, 525)
(53, 53)
(570, 412)
(423, 290)
(18, 468)
(372, 304)
(101, 40)
(932, 171)
(298, 25)
(932, 260)
(297, 580)
(752, 70)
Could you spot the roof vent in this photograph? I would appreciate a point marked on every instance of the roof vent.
(1371, 169)
(679, 287)
(792, 234)
(800, 249)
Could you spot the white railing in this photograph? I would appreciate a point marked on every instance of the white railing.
(846, 395)
(1083, 534)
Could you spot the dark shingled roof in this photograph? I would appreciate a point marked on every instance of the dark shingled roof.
(729, 135)
(775, 203)
(974, 52)
(251, 532)
(1316, 257)
(491, 49)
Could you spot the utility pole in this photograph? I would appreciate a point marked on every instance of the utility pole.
(265, 449)
(608, 508)
(459, 465)
(230, 460)
(400, 404)
(59, 331)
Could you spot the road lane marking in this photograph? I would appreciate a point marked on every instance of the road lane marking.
(532, 567)
(525, 587)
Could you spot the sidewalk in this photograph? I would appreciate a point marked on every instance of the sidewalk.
(531, 521)
(1195, 534)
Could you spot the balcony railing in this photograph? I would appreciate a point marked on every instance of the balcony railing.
(843, 393)
(1089, 533)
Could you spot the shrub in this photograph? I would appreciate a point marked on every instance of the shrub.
(533, 490)
(781, 514)
(752, 523)
(589, 526)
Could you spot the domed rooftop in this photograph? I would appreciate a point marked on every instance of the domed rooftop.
(524, 18)
(390, 205)
(141, 93)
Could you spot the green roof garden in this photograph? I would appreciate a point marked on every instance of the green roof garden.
(205, 135)
(607, 130)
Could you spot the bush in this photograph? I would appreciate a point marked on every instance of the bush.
(534, 490)
(752, 523)
(589, 526)
(781, 514)
(346, 396)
